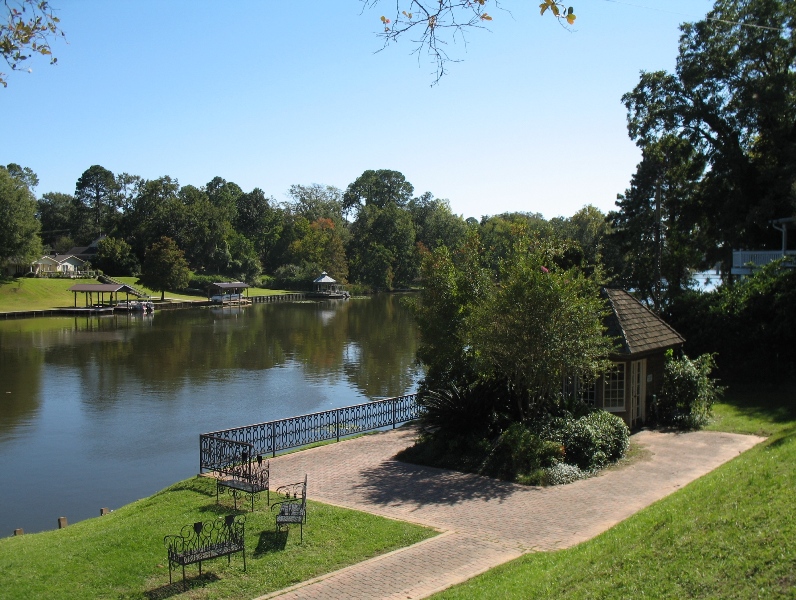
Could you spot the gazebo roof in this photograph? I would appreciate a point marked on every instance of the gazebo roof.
(638, 328)
(324, 278)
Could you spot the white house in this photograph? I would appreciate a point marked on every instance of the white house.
(58, 264)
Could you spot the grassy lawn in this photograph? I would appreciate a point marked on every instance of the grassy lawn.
(42, 294)
(121, 555)
(729, 534)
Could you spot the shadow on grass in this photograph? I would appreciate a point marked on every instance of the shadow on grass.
(271, 541)
(178, 587)
(776, 403)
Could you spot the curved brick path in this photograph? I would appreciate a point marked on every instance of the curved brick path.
(484, 522)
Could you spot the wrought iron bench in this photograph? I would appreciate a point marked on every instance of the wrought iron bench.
(206, 540)
(245, 477)
(293, 509)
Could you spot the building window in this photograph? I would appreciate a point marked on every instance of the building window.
(614, 388)
(574, 387)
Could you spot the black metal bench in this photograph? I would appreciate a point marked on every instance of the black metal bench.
(206, 540)
(293, 509)
(245, 477)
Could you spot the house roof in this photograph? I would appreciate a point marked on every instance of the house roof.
(639, 330)
(64, 257)
(324, 278)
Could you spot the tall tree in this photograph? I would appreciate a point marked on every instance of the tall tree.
(377, 188)
(657, 232)
(97, 190)
(261, 221)
(165, 267)
(382, 250)
(434, 221)
(316, 201)
(55, 216)
(733, 98)
(19, 234)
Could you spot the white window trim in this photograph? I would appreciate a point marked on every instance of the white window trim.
(617, 409)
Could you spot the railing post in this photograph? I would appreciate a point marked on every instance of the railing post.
(392, 406)
(273, 440)
(337, 423)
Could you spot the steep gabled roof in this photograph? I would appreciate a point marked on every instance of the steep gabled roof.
(639, 329)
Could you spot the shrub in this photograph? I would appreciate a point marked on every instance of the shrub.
(562, 473)
(461, 410)
(521, 454)
(687, 393)
(594, 440)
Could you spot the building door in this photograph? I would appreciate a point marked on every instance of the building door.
(638, 380)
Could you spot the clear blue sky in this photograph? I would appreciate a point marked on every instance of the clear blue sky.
(269, 94)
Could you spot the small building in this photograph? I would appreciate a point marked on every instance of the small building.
(100, 289)
(228, 292)
(638, 363)
(324, 286)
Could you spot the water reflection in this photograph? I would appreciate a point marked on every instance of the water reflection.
(109, 409)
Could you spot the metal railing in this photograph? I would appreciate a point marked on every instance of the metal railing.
(741, 258)
(219, 447)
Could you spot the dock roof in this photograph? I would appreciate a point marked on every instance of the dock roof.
(103, 288)
(233, 285)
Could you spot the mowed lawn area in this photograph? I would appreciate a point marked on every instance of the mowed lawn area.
(122, 555)
(729, 534)
(45, 293)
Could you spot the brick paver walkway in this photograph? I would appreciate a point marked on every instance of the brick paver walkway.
(484, 522)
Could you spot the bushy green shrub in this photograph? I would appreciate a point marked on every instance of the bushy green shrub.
(594, 440)
(520, 454)
(687, 393)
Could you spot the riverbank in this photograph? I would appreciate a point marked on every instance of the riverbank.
(122, 554)
(724, 535)
(36, 297)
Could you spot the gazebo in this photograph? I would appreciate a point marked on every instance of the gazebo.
(326, 287)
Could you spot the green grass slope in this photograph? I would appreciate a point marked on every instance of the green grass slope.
(729, 534)
(121, 555)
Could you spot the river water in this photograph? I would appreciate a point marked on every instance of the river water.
(100, 411)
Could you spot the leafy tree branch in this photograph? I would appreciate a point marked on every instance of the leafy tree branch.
(28, 28)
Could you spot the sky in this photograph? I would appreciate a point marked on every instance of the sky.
(269, 94)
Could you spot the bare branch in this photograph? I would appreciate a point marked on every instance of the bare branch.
(436, 23)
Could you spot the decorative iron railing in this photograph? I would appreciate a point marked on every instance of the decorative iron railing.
(220, 448)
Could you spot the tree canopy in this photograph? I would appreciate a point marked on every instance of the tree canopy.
(165, 267)
(718, 140)
(19, 234)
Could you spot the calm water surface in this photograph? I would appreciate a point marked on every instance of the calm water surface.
(100, 411)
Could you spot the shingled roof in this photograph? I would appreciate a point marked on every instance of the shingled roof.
(639, 330)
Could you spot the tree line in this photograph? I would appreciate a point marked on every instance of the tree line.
(373, 233)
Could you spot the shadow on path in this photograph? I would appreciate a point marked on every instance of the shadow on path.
(393, 482)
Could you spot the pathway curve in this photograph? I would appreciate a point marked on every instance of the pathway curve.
(484, 522)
